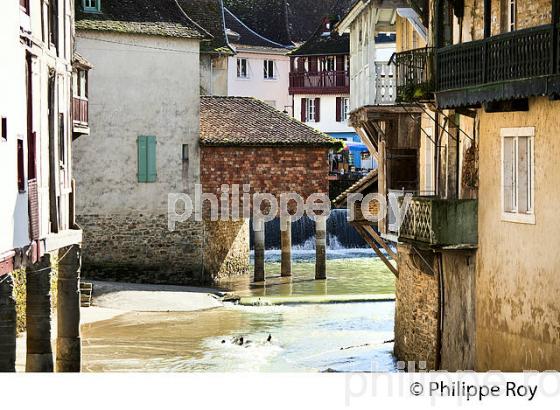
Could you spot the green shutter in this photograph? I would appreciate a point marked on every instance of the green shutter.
(151, 160)
(147, 159)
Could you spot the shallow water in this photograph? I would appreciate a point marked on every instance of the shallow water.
(305, 337)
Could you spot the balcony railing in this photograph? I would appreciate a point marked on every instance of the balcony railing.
(517, 55)
(323, 82)
(80, 110)
(414, 74)
(439, 222)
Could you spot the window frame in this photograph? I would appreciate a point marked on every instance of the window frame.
(267, 64)
(310, 110)
(90, 9)
(515, 215)
(240, 60)
(344, 109)
(512, 15)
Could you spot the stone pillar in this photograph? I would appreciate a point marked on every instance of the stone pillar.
(286, 248)
(68, 342)
(7, 325)
(258, 227)
(38, 313)
(320, 247)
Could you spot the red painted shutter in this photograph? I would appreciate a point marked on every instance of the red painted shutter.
(20, 169)
(338, 109)
(317, 109)
(303, 109)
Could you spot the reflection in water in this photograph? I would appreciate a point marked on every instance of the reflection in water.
(340, 337)
(311, 337)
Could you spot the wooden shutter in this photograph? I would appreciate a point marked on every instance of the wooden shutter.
(338, 109)
(303, 109)
(317, 109)
(20, 166)
(147, 165)
(151, 160)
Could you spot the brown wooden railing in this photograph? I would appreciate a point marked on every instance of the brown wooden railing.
(511, 56)
(414, 74)
(80, 110)
(321, 82)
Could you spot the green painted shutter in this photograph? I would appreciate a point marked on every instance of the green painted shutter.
(142, 159)
(151, 159)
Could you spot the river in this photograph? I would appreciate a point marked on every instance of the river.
(310, 337)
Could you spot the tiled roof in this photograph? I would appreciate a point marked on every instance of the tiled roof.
(359, 187)
(246, 121)
(247, 36)
(209, 14)
(324, 44)
(285, 21)
(151, 17)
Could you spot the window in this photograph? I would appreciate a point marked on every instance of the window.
(345, 109)
(242, 68)
(147, 167)
(310, 110)
(92, 6)
(20, 166)
(518, 174)
(512, 14)
(61, 139)
(269, 70)
(4, 128)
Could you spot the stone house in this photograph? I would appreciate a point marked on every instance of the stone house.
(478, 230)
(37, 126)
(245, 142)
(144, 139)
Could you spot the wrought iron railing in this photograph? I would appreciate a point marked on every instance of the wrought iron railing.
(320, 82)
(440, 222)
(510, 56)
(414, 74)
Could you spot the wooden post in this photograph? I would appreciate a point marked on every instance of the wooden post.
(7, 324)
(68, 342)
(258, 228)
(320, 247)
(286, 248)
(39, 356)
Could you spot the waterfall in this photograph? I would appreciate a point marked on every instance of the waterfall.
(340, 234)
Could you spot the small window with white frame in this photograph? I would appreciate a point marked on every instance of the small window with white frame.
(310, 110)
(518, 174)
(92, 6)
(242, 68)
(344, 109)
(269, 70)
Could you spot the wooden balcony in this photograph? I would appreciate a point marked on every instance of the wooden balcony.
(322, 82)
(436, 222)
(512, 65)
(80, 115)
(414, 74)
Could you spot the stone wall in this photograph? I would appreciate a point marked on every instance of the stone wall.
(267, 169)
(140, 248)
(417, 308)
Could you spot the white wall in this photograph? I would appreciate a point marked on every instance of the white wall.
(327, 117)
(13, 205)
(140, 85)
(256, 85)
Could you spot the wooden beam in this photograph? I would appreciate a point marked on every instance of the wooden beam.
(369, 229)
(371, 243)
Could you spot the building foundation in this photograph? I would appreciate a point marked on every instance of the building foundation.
(68, 343)
(39, 356)
(7, 324)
